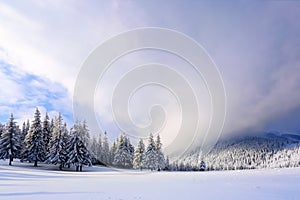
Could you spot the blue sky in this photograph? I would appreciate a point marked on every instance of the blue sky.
(254, 44)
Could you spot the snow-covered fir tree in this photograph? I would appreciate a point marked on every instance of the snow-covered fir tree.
(58, 151)
(94, 150)
(112, 152)
(51, 133)
(78, 154)
(160, 156)
(9, 141)
(202, 166)
(24, 132)
(1, 129)
(139, 155)
(105, 149)
(47, 132)
(35, 141)
(84, 134)
(167, 164)
(150, 161)
(23, 151)
(123, 156)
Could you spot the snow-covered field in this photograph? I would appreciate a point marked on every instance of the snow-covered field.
(22, 181)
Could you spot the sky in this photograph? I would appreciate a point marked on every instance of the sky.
(255, 45)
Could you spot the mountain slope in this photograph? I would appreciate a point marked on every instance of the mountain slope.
(271, 150)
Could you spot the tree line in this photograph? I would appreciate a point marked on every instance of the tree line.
(123, 154)
(45, 141)
(50, 141)
(246, 153)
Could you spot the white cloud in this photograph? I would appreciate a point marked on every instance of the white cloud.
(257, 56)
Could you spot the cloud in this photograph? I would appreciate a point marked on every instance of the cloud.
(255, 45)
(22, 92)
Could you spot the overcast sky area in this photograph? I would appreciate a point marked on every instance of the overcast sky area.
(255, 45)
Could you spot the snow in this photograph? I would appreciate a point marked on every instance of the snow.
(22, 181)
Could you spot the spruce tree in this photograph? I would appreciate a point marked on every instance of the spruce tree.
(167, 164)
(94, 149)
(202, 166)
(139, 156)
(100, 149)
(35, 141)
(112, 152)
(150, 161)
(24, 133)
(1, 129)
(9, 142)
(160, 156)
(58, 150)
(124, 152)
(84, 134)
(47, 132)
(105, 149)
(78, 154)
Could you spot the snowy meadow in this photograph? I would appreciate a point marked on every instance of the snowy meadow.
(22, 181)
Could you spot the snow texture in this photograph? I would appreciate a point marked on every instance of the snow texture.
(44, 182)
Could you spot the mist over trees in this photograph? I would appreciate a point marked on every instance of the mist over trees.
(49, 141)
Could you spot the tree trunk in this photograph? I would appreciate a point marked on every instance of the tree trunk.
(60, 167)
(10, 159)
(35, 163)
(77, 167)
(81, 168)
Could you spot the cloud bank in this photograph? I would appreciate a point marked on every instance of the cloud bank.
(255, 45)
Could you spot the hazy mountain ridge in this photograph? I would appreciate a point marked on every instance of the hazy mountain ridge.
(270, 150)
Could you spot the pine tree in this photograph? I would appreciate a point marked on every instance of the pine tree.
(160, 155)
(52, 124)
(124, 152)
(22, 141)
(202, 166)
(112, 152)
(139, 156)
(105, 149)
(58, 151)
(150, 161)
(9, 145)
(84, 134)
(167, 164)
(47, 132)
(100, 149)
(1, 129)
(35, 141)
(94, 150)
(78, 155)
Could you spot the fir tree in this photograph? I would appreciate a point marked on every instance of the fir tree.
(160, 156)
(94, 150)
(124, 153)
(139, 156)
(9, 142)
(78, 154)
(52, 124)
(84, 134)
(167, 164)
(58, 151)
(22, 141)
(150, 161)
(35, 141)
(1, 129)
(47, 132)
(112, 152)
(105, 149)
(202, 166)
(99, 149)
